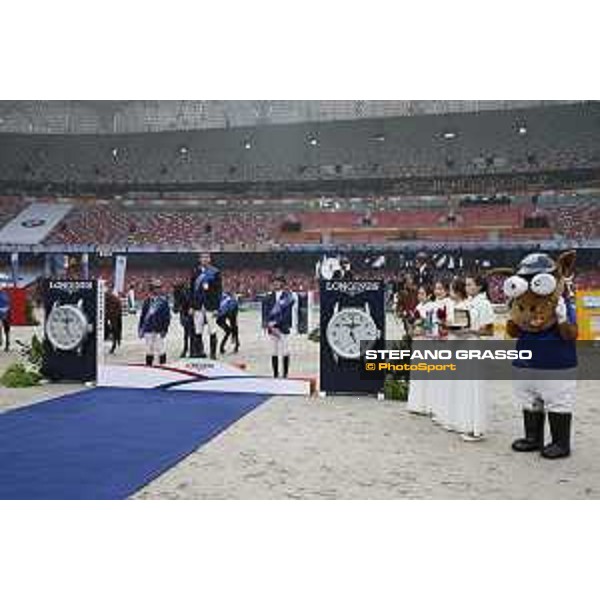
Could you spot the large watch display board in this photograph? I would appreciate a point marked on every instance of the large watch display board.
(71, 325)
(352, 318)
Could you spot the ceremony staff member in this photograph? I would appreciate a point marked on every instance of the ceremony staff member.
(206, 289)
(4, 316)
(131, 300)
(462, 395)
(442, 305)
(155, 319)
(277, 320)
(227, 320)
(474, 406)
(422, 272)
(422, 316)
(406, 300)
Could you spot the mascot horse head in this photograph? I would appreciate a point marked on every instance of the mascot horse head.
(534, 290)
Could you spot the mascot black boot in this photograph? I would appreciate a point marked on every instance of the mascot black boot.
(275, 365)
(560, 428)
(213, 346)
(533, 421)
(149, 359)
(286, 366)
(162, 359)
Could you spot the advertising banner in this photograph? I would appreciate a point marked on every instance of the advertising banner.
(352, 319)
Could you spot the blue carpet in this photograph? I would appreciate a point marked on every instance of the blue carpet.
(107, 443)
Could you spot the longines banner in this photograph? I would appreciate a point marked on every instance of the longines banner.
(70, 329)
(352, 312)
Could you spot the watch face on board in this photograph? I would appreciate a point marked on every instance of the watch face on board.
(66, 327)
(347, 329)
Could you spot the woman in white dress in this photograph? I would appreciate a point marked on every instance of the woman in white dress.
(437, 387)
(460, 393)
(418, 401)
(474, 408)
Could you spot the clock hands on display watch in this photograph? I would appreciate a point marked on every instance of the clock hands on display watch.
(67, 326)
(347, 328)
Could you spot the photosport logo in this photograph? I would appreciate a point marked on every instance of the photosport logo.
(478, 360)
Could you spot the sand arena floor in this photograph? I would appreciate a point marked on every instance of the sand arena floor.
(354, 447)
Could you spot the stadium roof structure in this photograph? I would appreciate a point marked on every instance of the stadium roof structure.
(139, 116)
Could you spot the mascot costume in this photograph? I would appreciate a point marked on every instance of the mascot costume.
(542, 319)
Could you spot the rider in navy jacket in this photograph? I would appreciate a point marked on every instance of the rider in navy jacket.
(227, 320)
(205, 289)
(277, 317)
(155, 316)
(278, 310)
(155, 319)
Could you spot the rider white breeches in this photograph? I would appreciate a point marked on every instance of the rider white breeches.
(155, 344)
(204, 317)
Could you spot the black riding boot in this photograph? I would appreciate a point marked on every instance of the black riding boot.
(286, 366)
(197, 350)
(213, 346)
(533, 420)
(194, 352)
(236, 340)
(275, 365)
(162, 359)
(560, 428)
(223, 343)
(149, 359)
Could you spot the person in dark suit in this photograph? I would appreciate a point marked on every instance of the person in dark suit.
(277, 317)
(206, 289)
(423, 274)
